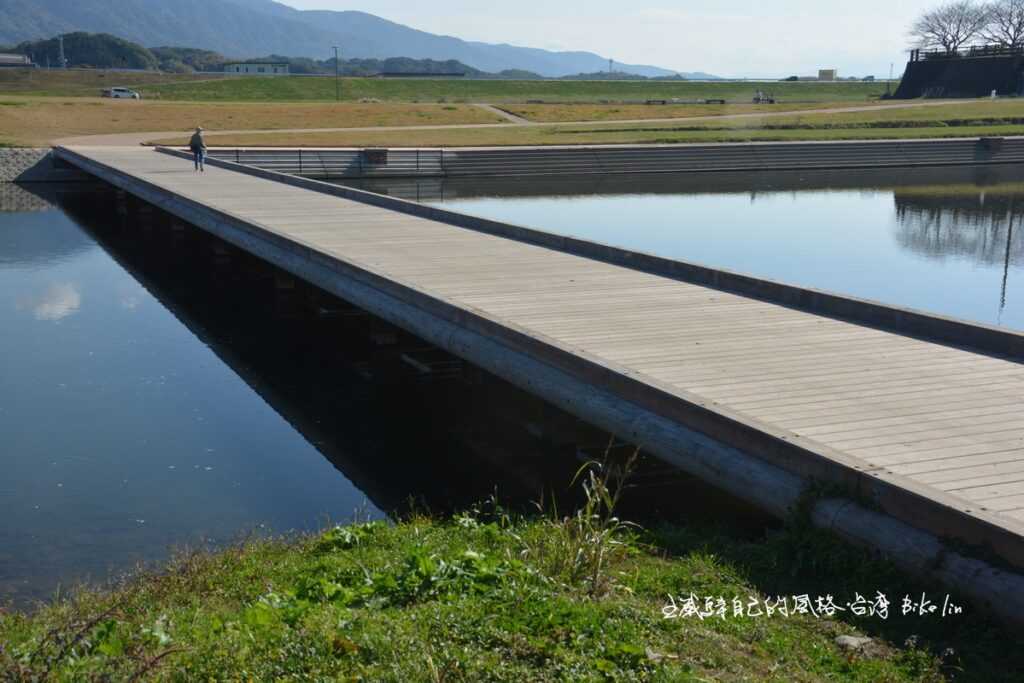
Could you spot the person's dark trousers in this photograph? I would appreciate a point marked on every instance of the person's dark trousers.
(199, 155)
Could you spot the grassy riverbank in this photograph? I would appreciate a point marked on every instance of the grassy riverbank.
(40, 120)
(217, 88)
(970, 118)
(86, 82)
(488, 596)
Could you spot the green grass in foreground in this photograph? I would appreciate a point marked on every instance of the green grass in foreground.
(486, 596)
(456, 90)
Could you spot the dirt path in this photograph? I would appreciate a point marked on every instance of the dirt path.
(507, 115)
(129, 139)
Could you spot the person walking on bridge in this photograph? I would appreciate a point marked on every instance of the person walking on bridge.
(198, 146)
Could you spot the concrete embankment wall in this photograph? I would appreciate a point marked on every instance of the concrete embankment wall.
(35, 165)
(15, 198)
(962, 77)
(328, 164)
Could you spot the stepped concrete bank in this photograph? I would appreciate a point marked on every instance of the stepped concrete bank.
(35, 165)
(39, 165)
(14, 198)
(757, 398)
(336, 163)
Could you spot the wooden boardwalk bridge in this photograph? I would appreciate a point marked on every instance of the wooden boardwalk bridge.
(758, 394)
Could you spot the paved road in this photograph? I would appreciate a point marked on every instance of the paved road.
(129, 139)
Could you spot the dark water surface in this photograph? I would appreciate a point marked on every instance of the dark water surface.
(121, 431)
(947, 241)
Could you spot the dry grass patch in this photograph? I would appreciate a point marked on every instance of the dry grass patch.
(937, 113)
(559, 113)
(39, 121)
(939, 120)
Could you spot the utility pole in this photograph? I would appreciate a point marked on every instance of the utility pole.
(63, 61)
(337, 77)
(1006, 263)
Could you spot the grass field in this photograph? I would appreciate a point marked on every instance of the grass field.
(38, 121)
(486, 597)
(214, 87)
(558, 113)
(961, 119)
(428, 90)
(278, 104)
(85, 82)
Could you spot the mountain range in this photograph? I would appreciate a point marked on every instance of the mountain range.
(245, 28)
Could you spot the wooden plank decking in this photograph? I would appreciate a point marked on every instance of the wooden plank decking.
(942, 423)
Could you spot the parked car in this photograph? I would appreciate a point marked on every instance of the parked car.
(122, 93)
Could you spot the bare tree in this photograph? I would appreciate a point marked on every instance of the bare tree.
(1005, 23)
(950, 26)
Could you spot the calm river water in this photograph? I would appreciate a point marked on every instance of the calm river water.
(948, 241)
(157, 390)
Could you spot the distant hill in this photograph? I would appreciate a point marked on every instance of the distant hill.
(623, 76)
(241, 28)
(105, 51)
(89, 49)
(391, 65)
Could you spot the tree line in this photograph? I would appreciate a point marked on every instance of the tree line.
(105, 51)
(962, 23)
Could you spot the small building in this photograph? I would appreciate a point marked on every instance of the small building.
(9, 60)
(257, 68)
(827, 74)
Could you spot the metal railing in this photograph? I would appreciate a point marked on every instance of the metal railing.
(918, 55)
(328, 164)
(336, 164)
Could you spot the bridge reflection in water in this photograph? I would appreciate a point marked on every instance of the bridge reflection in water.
(407, 423)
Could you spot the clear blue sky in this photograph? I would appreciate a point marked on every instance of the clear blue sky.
(729, 38)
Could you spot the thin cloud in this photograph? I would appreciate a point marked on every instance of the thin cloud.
(57, 302)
